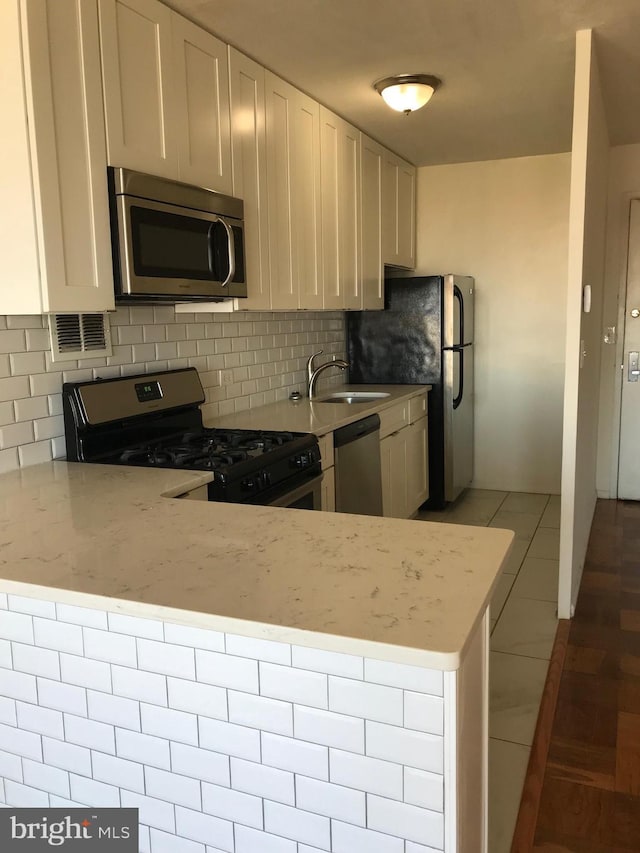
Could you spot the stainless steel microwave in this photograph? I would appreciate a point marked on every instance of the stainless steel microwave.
(173, 242)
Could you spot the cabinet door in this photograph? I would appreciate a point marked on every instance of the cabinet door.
(398, 198)
(328, 498)
(138, 86)
(202, 104)
(280, 106)
(371, 158)
(249, 172)
(417, 465)
(393, 460)
(340, 205)
(56, 244)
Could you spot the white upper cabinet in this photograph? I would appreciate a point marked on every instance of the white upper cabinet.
(249, 172)
(340, 206)
(202, 101)
(293, 192)
(166, 93)
(55, 240)
(139, 86)
(399, 212)
(371, 163)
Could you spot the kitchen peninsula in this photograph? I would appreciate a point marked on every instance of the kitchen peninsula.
(251, 678)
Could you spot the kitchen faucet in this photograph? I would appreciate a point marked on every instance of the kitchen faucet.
(314, 372)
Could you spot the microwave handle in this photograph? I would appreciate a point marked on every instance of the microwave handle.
(232, 253)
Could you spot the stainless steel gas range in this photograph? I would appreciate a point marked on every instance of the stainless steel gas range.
(155, 420)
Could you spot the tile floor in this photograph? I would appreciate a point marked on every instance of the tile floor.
(523, 627)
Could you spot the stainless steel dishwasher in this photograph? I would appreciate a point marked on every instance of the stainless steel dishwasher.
(357, 463)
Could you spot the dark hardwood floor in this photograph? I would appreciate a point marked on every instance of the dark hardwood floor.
(588, 792)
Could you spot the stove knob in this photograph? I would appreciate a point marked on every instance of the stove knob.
(300, 461)
(266, 479)
(248, 485)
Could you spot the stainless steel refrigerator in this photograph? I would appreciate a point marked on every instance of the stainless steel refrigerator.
(425, 336)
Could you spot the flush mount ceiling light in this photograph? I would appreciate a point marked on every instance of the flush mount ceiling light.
(407, 92)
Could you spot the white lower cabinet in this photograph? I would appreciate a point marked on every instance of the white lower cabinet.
(404, 458)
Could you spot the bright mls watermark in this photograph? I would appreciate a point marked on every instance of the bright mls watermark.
(70, 830)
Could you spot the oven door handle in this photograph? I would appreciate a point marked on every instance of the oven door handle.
(299, 492)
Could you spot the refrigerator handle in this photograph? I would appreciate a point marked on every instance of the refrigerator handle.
(457, 293)
(458, 398)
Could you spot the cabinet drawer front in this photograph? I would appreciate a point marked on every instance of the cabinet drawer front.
(417, 408)
(394, 418)
(326, 450)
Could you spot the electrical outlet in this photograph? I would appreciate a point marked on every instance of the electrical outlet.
(226, 377)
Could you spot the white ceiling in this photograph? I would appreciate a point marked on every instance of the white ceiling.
(506, 66)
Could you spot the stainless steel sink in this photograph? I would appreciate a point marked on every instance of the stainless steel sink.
(352, 397)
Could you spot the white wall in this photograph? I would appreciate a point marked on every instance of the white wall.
(506, 223)
(624, 184)
(587, 228)
(265, 354)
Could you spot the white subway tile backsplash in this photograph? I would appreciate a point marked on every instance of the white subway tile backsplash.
(152, 812)
(89, 733)
(67, 756)
(10, 766)
(60, 636)
(424, 789)
(7, 710)
(94, 793)
(5, 654)
(18, 742)
(250, 841)
(134, 626)
(146, 749)
(16, 626)
(328, 728)
(232, 805)
(136, 684)
(4, 604)
(296, 756)
(331, 800)
(84, 672)
(408, 677)
(81, 616)
(24, 796)
(410, 822)
(262, 650)
(18, 685)
(34, 606)
(166, 659)
(36, 660)
(297, 825)
(205, 829)
(31, 408)
(424, 713)
(333, 663)
(293, 685)
(169, 724)
(262, 781)
(182, 790)
(370, 701)
(201, 764)
(46, 778)
(199, 638)
(118, 772)
(110, 647)
(227, 670)
(270, 715)
(415, 749)
(164, 842)
(366, 774)
(352, 839)
(195, 698)
(62, 697)
(43, 721)
(230, 739)
(33, 454)
(115, 710)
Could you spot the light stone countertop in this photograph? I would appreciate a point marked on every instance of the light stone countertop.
(313, 416)
(108, 537)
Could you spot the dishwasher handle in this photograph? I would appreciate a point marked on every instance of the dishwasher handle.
(358, 429)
